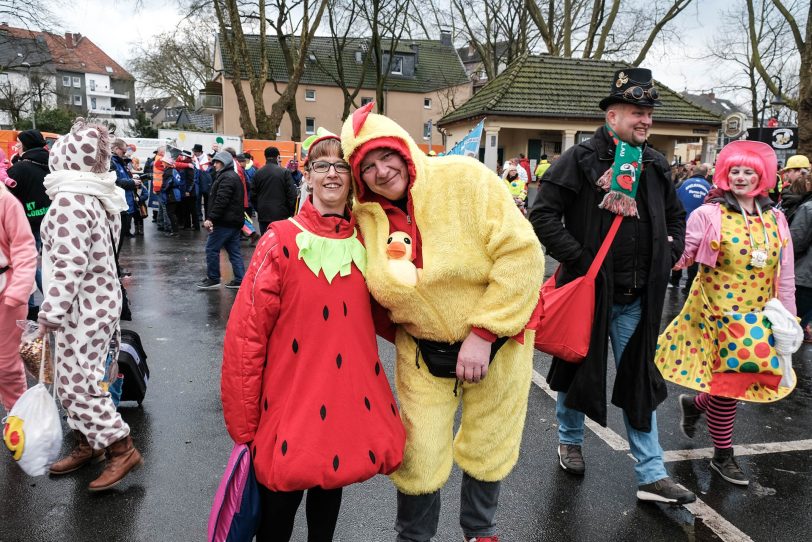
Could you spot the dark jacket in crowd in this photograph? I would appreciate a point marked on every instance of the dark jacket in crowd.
(568, 189)
(273, 193)
(226, 196)
(29, 171)
(124, 180)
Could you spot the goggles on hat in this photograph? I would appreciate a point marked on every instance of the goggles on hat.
(637, 93)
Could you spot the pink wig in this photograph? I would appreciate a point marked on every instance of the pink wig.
(752, 154)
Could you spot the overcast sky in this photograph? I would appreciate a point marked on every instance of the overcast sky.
(115, 26)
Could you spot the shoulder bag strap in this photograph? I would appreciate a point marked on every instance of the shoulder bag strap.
(607, 243)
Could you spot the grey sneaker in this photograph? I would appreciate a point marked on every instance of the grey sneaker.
(234, 284)
(208, 284)
(725, 464)
(690, 415)
(571, 459)
(665, 491)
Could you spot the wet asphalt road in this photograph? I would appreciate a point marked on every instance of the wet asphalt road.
(179, 430)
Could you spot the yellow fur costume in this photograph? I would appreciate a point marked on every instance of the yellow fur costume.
(482, 267)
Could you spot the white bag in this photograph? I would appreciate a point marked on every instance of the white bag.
(33, 430)
(788, 336)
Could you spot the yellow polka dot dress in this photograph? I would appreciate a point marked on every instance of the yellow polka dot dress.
(722, 301)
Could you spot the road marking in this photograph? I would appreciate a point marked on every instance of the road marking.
(716, 523)
(615, 441)
(745, 449)
(725, 530)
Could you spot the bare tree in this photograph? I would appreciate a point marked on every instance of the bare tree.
(792, 13)
(14, 100)
(178, 63)
(601, 28)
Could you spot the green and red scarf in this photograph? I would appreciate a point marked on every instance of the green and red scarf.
(622, 179)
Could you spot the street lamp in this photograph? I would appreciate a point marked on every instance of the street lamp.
(778, 103)
(27, 66)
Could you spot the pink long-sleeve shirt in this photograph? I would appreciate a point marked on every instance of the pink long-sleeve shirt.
(17, 251)
(703, 241)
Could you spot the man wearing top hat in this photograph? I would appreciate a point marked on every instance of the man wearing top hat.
(616, 172)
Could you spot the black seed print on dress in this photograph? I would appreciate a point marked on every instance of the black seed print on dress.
(377, 368)
(295, 346)
(335, 463)
(266, 404)
(366, 403)
(326, 313)
(323, 412)
(345, 308)
(285, 252)
(254, 452)
(394, 412)
(372, 457)
(338, 361)
(284, 447)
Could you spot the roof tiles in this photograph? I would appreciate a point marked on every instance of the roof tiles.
(549, 86)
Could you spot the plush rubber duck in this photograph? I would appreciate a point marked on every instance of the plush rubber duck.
(399, 251)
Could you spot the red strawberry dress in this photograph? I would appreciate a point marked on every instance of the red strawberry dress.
(301, 380)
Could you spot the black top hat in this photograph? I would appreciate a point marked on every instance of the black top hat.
(632, 86)
(197, 147)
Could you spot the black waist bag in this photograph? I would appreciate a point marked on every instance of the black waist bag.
(441, 358)
(132, 363)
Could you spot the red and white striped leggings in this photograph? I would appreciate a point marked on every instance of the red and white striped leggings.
(720, 413)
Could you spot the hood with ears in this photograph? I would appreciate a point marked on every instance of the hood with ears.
(364, 131)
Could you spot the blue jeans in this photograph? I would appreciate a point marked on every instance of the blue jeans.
(645, 447)
(228, 238)
(38, 273)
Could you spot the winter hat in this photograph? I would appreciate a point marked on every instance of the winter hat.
(85, 148)
(31, 139)
(224, 158)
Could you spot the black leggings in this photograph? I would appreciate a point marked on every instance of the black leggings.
(279, 512)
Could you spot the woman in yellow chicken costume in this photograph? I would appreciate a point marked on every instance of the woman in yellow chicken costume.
(481, 267)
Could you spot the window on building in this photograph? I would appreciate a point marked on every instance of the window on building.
(109, 69)
(92, 103)
(77, 82)
(427, 130)
(427, 103)
(77, 99)
(92, 84)
(557, 147)
(365, 100)
(397, 65)
(66, 80)
(310, 125)
(310, 95)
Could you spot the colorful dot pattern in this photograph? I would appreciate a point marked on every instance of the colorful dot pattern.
(719, 328)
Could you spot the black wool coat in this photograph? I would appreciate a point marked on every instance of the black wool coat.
(568, 191)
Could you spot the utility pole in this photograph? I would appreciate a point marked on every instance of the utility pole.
(27, 66)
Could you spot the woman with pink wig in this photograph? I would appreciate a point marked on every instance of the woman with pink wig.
(722, 344)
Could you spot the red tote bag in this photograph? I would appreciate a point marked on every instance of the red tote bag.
(567, 313)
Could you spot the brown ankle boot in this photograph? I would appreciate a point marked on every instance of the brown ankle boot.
(122, 457)
(80, 456)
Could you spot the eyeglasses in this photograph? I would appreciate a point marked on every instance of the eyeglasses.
(637, 93)
(320, 166)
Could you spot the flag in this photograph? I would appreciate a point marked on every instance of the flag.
(469, 146)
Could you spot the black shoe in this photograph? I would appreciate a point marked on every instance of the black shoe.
(665, 491)
(233, 285)
(170, 234)
(690, 415)
(208, 284)
(571, 459)
(725, 464)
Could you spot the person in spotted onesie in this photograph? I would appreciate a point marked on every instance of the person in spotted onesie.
(302, 382)
(469, 242)
(82, 300)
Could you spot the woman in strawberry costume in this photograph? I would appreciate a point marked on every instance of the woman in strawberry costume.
(302, 382)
